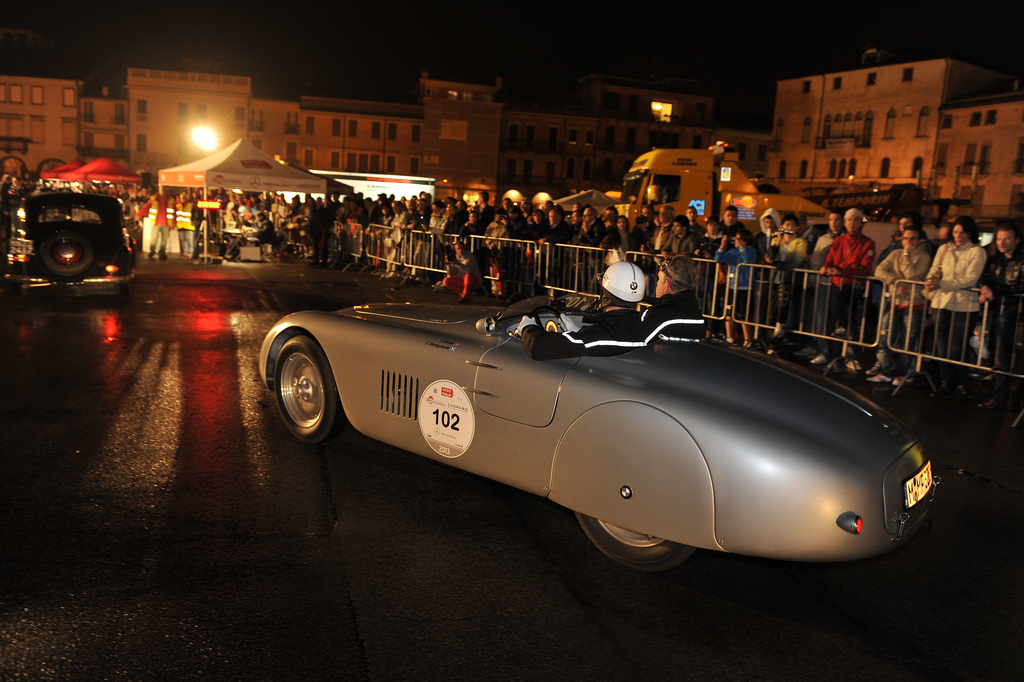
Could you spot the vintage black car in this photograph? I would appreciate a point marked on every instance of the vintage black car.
(70, 239)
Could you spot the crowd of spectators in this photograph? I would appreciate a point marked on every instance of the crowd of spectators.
(951, 267)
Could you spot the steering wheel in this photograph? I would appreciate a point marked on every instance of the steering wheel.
(552, 325)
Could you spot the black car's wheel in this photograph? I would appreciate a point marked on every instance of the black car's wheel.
(67, 253)
(642, 552)
(306, 393)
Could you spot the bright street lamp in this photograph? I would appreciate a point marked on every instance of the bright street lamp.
(204, 138)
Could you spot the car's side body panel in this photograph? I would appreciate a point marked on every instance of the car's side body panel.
(696, 443)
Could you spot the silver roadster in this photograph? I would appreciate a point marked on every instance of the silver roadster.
(660, 451)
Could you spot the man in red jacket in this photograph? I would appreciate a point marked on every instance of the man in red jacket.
(852, 255)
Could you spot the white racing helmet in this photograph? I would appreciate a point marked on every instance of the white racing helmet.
(625, 281)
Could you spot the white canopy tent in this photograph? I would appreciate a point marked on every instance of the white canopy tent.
(243, 167)
(591, 197)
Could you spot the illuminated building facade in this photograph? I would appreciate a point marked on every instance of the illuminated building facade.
(874, 125)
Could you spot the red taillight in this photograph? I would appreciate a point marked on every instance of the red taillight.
(111, 269)
(850, 522)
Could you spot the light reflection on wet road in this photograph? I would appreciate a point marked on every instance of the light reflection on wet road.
(157, 521)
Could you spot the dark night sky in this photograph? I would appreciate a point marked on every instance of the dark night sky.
(376, 49)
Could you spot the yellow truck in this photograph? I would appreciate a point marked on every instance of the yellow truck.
(709, 180)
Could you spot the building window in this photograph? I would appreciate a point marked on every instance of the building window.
(573, 135)
(589, 140)
(414, 166)
(782, 169)
(350, 162)
(308, 158)
(140, 107)
(353, 128)
(908, 74)
(120, 113)
(16, 94)
(3, 92)
(375, 162)
(762, 152)
(852, 170)
(182, 110)
(807, 86)
(570, 168)
(872, 77)
(140, 143)
(805, 133)
(630, 139)
(826, 128)
(375, 130)
(416, 137)
(837, 83)
(869, 125)
(586, 169)
(975, 119)
(549, 171)
(741, 150)
(923, 120)
(310, 125)
(917, 167)
(335, 160)
(290, 152)
(984, 158)
(832, 168)
(36, 93)
(990, 117)
(662, 112)
(69, 97)
(527, 170)
(890, 125)
(841, 173)
(609, 137)
(510, 169)
(513, 135)
(803, 168)
(390, 164)
(392, 132)
(336, 127)
(553, 139)
(201, 111)
(363, 164)
(884, 171)
(947, 122)
(88, 114)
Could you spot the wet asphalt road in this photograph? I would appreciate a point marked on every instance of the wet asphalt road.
(157, 521)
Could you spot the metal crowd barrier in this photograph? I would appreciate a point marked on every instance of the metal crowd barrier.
(571, 269)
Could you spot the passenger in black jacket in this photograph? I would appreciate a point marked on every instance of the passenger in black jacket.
(618, 328)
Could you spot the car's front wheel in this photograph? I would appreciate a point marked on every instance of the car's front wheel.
(306, 393)
(642, 552)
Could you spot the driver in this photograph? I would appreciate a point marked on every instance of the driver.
(618, 328)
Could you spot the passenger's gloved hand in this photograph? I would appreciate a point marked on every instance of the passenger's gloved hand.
(571, 323)
(527, 321)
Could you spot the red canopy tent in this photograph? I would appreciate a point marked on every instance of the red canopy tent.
(57, 173)
(102, 170)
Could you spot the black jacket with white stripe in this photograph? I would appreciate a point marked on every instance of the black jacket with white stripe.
(675, 317)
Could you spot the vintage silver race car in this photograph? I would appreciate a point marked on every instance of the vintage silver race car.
(660, 451)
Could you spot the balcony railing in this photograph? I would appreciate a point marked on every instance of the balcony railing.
(15, 144)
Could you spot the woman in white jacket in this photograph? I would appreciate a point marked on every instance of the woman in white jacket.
(954, 273)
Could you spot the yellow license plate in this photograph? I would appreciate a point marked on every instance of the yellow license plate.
(917, 486)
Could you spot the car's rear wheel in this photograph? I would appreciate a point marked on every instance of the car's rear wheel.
(306, 393)
(636, 550)
(67, 253)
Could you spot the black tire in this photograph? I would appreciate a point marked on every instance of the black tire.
(641, 552)
(67, 253)
(307, 396)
